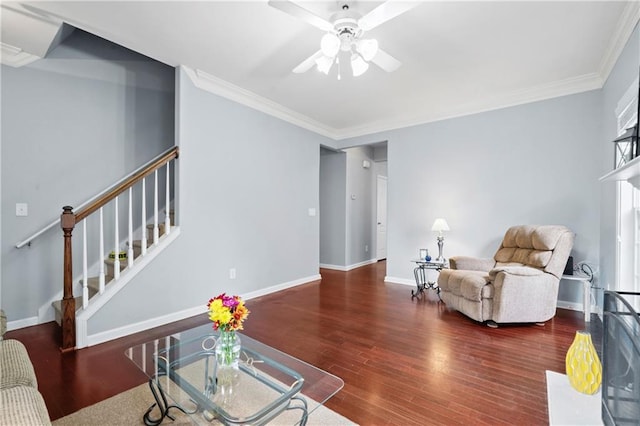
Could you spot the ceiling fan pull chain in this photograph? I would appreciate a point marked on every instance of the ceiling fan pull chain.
(338, 62)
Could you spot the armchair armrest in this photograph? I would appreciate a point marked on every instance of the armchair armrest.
(468, 263)
(523, 294)
(523, 271)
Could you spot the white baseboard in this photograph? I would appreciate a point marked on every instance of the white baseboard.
(348, 267)
(105, 336)
(572, 306)
(116, 333)
(22, 323)
(396, 280)
(279, 287)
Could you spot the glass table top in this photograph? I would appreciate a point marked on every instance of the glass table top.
(268, 384)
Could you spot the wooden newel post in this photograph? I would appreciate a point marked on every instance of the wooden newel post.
(68, 222)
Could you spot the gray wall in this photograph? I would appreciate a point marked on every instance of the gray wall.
(621, 77)
(527, 164)
(333, 208)
(247, 181)
(72, 125)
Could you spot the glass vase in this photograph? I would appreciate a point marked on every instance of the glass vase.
(228, 349)
(584, 369)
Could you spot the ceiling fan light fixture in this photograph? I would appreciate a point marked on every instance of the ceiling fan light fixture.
(367, 48)
(330, 44)
(324, 64)
(358, 65)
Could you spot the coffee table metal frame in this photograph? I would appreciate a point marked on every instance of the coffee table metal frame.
(201, 399)
(252, 363)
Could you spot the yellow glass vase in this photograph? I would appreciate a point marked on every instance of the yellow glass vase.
(584, 369)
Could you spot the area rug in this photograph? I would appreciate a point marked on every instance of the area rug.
(128, 407)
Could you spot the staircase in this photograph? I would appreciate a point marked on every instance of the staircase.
(133, 200)
(93, 283)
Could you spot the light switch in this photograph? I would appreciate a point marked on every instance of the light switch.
(312, 212)
(22, 209)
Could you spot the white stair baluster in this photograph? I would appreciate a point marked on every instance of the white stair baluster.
(167, 219)
(101, 275)
(116, 248)
(155, 208)
(130, 251)
(143, 240)
(85, 275)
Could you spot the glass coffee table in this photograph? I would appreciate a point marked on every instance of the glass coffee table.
(268, 385)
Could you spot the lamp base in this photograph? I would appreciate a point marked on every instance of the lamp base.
(440, 257)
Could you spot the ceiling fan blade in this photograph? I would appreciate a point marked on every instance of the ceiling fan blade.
(301, 13)
(308, 63)
(385, 12)
(386, 61)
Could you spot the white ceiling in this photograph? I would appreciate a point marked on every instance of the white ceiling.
(457, 57)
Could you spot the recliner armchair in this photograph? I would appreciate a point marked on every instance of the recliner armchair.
(520, 283)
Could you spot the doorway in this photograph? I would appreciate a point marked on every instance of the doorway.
(353, 206)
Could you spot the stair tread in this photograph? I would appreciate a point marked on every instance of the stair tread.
(94, 282)
(111, 262)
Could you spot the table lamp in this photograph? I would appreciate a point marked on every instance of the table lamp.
(438, 226)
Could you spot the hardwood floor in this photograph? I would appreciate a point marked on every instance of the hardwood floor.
(404, 361)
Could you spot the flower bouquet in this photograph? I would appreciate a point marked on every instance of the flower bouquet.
(227, 313)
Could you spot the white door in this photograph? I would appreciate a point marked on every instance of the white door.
(381, 235)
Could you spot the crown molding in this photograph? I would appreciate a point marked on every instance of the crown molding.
(541, 92)
(626, 24)
(242, 96)
(629, 18)
(14, 56)
(245, 97)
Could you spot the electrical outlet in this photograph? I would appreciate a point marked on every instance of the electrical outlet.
(366, 249)
(232, 273)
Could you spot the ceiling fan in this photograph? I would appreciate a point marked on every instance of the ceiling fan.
(344, 33)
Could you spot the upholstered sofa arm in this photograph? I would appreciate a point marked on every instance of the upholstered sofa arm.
(468, 263)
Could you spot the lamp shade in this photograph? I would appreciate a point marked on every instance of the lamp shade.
(440, 225)
(358, 65)
(330, 44)
(367, 48)
(324, 64)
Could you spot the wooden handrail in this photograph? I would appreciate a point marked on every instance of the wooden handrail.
(124, 185)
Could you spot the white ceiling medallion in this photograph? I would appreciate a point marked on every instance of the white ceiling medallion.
(345, 37)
